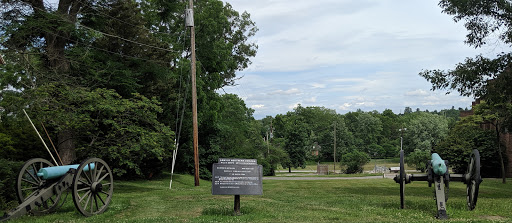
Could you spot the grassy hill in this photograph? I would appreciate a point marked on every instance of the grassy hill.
(360, 200)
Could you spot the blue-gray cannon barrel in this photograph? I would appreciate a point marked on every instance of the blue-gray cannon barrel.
(53, 172)
(438, 164)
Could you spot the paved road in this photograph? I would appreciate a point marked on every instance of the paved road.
(389, 176)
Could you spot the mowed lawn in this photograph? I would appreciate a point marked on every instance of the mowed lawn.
(338, 200)
(311, 166)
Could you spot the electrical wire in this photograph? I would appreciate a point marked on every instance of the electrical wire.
(111, 35)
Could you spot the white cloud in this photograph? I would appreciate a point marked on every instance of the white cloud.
(418, 92)
(293, 106)
(257, 106)
(365, 104)
(371, 63)
(310, 100)
(430, 103)
(345, 106)
(287, 92)
(318, 85)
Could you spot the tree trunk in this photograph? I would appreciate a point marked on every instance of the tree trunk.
(289, 169)
(504, 178)
(56, 41)
(66, 146)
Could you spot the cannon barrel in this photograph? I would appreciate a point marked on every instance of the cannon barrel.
(54, 172)
(438, 165)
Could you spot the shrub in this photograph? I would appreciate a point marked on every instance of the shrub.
(419, 159)
(8, 174)
(354, 161)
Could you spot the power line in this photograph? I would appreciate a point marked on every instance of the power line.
(89, 45)
(125, 22)
(127, 40)
(112, 35)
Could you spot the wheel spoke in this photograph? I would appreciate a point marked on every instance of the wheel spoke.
(88, 184)
(80, 199)
(99, 173)
(29, 188)
(103, 177)
(32, 176)
(30, 182)
(92, 200)
(87, 177)
(37, 170)
(93, 171)
(101, 199)
(96, 201)
(85, 188)
(87, 201)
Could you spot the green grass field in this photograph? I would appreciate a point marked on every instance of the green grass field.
(360, 200)
(311, 166)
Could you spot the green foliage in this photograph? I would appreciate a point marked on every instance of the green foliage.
(419, 159)
(482, 19)
(424, 131)
(8, 174)
(462, 139)
(354, 161)
(276, 155)
(484, 78)
(295, 144)
(112, 76)
(125, 132)
(223, 41)
(366, 130)
(6, 144)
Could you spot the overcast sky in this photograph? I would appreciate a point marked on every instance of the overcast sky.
(350, 54)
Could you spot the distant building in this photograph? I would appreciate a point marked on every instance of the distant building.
(316, 149)
(506, 137)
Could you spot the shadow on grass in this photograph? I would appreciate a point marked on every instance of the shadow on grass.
(224, 211)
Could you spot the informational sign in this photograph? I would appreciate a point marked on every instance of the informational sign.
(237, 161)
(237, 177)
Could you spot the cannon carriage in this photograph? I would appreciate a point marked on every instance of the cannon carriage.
(439, 175)
(40, 186)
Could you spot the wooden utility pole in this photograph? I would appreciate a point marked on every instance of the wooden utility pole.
(334, 147)
(194, 92)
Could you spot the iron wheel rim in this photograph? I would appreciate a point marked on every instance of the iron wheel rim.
(93, 189)
(29, 184)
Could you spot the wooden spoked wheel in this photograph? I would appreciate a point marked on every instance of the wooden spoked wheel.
(473, 179)
(29, 184)
(402, 180)
(93, 186)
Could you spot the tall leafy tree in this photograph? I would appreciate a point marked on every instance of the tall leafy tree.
(481, 77)
(495, 115)
(424, 132)
(463, 138)
(138, 49)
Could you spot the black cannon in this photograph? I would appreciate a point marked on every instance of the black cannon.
(40, 185)
(439, 175)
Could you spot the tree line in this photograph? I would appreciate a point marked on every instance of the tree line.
(110, 79)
